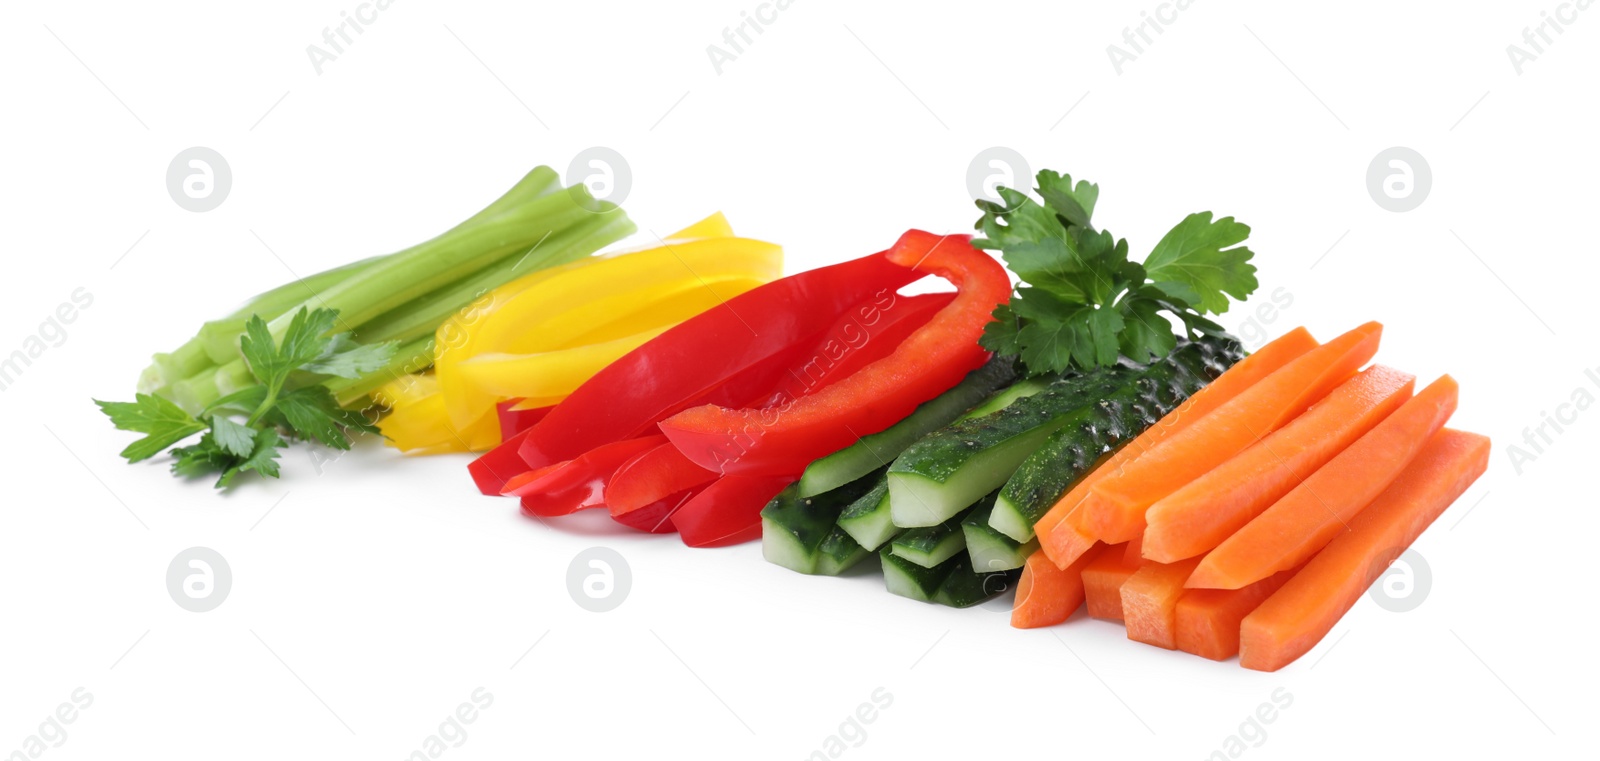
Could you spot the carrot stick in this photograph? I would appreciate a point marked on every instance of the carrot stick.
(1115, 507)
(1102, 582)
(1317, 510)
(1047, 595)
(1059, 531)
(1149, 598)
(1208, 510)
(1295, 618)
(1208, 620)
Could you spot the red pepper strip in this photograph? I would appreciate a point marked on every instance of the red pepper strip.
(728, 511)
(681, 366)
(496, 467)
(523, 483)
(572, 486)
(782, 439)
(657, 517)
(651, 476)
(865, 335)
(869, 332)
(514, 421)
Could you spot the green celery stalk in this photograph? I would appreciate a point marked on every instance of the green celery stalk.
(400, 278)
(410, 358)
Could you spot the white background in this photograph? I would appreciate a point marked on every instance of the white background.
(370, 601)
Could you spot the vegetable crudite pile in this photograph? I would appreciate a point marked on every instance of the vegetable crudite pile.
(1077, 431)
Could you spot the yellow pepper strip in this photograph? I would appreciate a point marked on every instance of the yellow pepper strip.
(547, 374)
(714, 226)
(670, 310)
(417, 424)
(551, 314)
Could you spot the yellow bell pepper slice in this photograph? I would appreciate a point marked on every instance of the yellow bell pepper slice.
(714, 226)
(547, 374)
(417, 424)
(550, 314)
(670, 310)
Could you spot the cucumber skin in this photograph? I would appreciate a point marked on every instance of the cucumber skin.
(1074, 449)
(942, 453)
(809, 520)
(963, 588)
(839, 552)
(870, 452)
(854, 518)
(979, 533)
(924, 582)
(925, 541)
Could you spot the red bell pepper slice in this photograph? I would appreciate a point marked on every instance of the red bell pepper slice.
(728, 511)
(514, 421)
(565, 488)
(657, 517)
(497, 466)
(682, 366)
(866, 334)
(651, 477)
(781, 439)
(869, 332)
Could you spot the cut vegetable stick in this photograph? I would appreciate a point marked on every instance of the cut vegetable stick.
(1059, 531)
(653, 475)
(1316, 511)
(1149, 598)
(1047, 595)
(1295, 618)
(1199, 516)
(1208, 620)
(1115, 507)
(1102, 582)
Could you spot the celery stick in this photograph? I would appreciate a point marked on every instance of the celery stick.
(400, 278)
(423, 316)
(409, 358)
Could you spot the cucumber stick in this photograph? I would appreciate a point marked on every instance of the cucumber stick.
(794, 528)
(866, 520)
(875, 450)
(907, 579)
(950, 469)
(1073, 449)
(839, 553)
(1004, 397)
(931, 545)
(988, 549)
(962, 587)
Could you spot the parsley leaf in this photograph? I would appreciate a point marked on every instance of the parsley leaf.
(1082, 303)
(345, 358)
(279, 405)
(231, 437)
(263, 459)
(163, 422)
(1205, 255)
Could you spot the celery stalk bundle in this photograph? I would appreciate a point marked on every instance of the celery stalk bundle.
(401, 298)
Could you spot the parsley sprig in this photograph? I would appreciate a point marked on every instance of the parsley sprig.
(285, 401)
(1082, 303)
